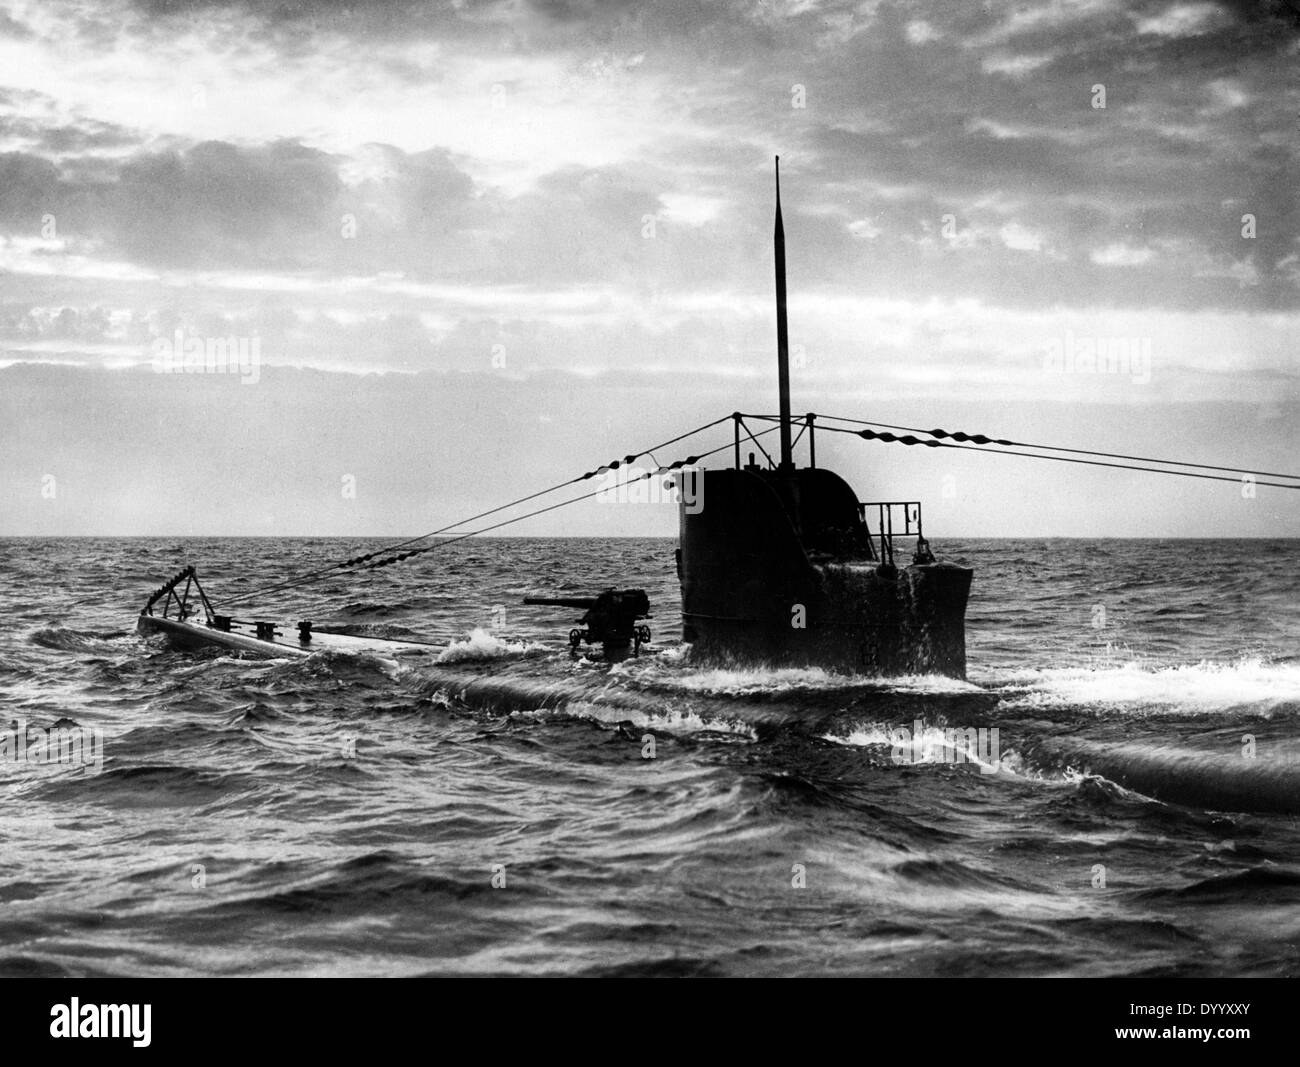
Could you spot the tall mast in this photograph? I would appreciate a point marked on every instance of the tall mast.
(782, 333)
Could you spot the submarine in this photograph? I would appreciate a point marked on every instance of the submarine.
(780, 565)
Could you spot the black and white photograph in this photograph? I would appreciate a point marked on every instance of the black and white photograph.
(703, 488)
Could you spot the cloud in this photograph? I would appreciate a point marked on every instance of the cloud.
(1020, 238)
(1119, 255)
(1182, 20)
(586, 187)
(921, 32)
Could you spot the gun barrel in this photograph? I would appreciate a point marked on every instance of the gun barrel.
(586, 603)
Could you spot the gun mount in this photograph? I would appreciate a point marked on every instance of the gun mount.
(612, 620)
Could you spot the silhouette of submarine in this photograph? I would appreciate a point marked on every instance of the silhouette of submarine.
(778, 565)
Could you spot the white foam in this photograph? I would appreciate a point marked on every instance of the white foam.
(866, 736)
(674, 653)
(745, 680)
(937, 744)
(480, 645)
(749, 680)
(1200, 687)
(669, 721)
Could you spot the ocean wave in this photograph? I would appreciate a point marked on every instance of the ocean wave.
(337, 801)
(675, 966)
(328, 662)
(63, 639)
(1255, 885)
(17, 966)
(151, 787)
(354, 886)
(1211, 780)
(481, 645)
(368, 607)
(949, 874)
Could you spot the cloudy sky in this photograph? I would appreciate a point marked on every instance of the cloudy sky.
(482, 247)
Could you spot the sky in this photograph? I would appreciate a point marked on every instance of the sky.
(469, 250)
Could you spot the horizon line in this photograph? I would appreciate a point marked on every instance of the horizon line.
(597, 537)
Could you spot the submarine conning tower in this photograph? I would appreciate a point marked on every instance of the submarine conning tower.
(780, 565)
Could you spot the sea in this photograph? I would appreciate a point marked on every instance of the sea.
(1113, 791)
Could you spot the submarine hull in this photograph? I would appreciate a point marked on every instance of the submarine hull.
(545, 681)
(852, 620)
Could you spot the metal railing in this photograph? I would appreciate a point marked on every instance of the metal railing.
(182, 600)
(909, 525)
(894, 518)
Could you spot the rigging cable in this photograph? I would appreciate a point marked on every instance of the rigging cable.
(872, 435)
(519, 518)
(688, 461)
(983, 440)
(367, 557)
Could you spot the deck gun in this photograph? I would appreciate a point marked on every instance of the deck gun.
(612, 619)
